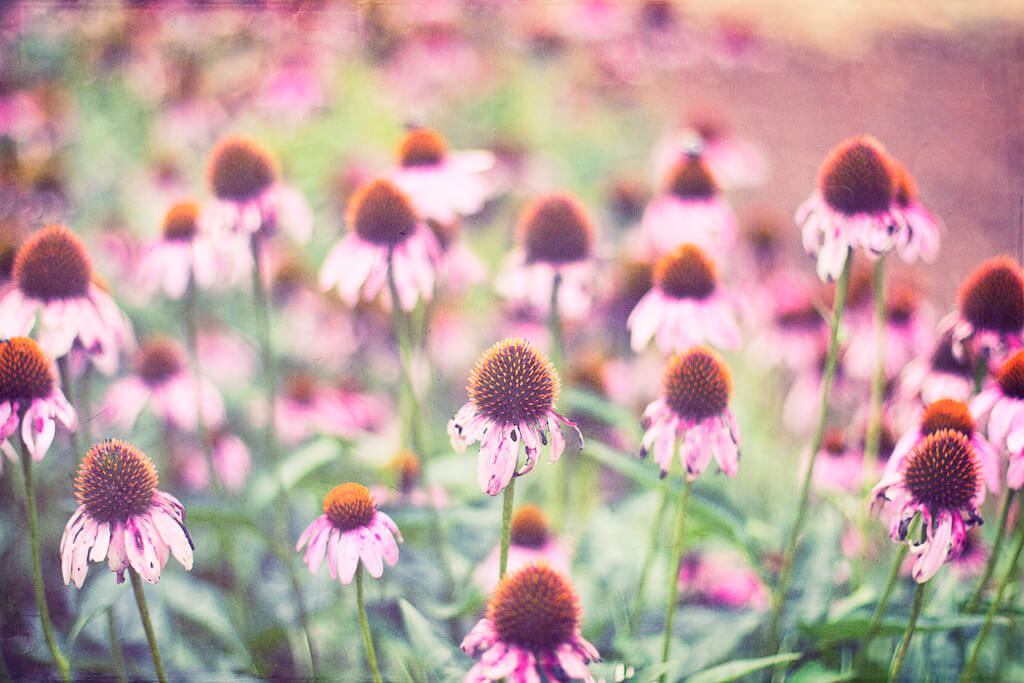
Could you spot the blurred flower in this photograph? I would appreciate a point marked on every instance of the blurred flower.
(54, 278)
(694, 406)
(250, 198)
(557, 241)
(796, 332)
(351, 528)
(30, 398)
(442, 185)
(941, 480)
(926, 379)
(685, 307)
(909, 327)
(533, 620)
(163, 380)
(1003, 403)
(838, 466)
(720, 579)
(990, 316)
(532, 542)
(231, 463)
(732, 161)
(306, 407)
(512, 394)
(122, 517)
(384, 233)
(922, 236)
(410, 489)
(690, 210)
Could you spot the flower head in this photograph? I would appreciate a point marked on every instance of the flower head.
(53, 277)
(991, 308)
(30, 398)
(351, 528)
(1002, 402)
(385, 233)
(922, 234)
(122, 517)
(694, 405)
(533, 621)
(512, 394)
(942, 480)
(685, 307)
(531, 541)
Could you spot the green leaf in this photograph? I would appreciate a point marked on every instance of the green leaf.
(730, 671)
(202, 604)
(816, 672)
(99, 595)
(436, 654)
(294, 469)
(854, 628)
(628, 465)
(575, 400)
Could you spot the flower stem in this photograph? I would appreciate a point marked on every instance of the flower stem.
(192, 342)
(506, 526)
(1011, 571)
(872, 438)
(782, 589)
(147, 624)
(904, 646)
(116, 654)
(371, 656)
(673, 578)
(37, 567)
(634, 618)
(993, 556)
(555, 325)
(68, 387)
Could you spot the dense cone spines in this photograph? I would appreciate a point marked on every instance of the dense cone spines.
(529, 527)
(382, 214)
(555, 229)
(1011, 376)
(240, 169)
(513, 383)
(115, 481)
(942, 471)
(992, 297)
(947, 413)
(686, 273)
(857, 177)
(53, 264)
(349, 506)
(25, 371)
(696, 384)
(535, 609)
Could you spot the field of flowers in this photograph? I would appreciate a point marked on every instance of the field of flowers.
(545, 341)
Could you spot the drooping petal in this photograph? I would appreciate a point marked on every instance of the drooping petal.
(936, 548)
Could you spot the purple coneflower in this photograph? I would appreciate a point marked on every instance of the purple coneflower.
(685, 307)
(385, 234)
(532, 541)
(1003, 403)
(512, 394)
(990, 318)
(532, 622)
(351, 529)
(694, 406)
(122, 517)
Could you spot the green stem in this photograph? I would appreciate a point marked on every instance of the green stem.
(67, 386)
(673, 578)
(904, 646)
(506, 526)
(872, 437)
(371, 656)
(37, 567)
(147, 624)
(634, 618)
(993, 556)
(192, 342)
(555, 325)
(876, 618)
(826, 388)
(116, 655)
(1011, 572)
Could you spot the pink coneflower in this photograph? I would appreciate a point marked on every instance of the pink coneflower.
(854, 206)
(694, 405)
(797, 333)
(30, 398)
(230, 459)
(838, 466)
(922, 234)
(442, 185)
(385, 233)
(909, 327)
(53, 276)
(122, 517)
(1003, 403)
(733, 161)
(940, 375)
(250, 198)
(351, 528)
(990, 317)
(307, 407)
(557, 241)
(948, 413)
(720, 579)
(532, 542)
(685, 307)
(163, 380)
(512, 394)
(184, 252)
(532, 622)
(689, 210)
(940, 479)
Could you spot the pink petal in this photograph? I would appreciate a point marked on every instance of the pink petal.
(937, 549)
(348, 557)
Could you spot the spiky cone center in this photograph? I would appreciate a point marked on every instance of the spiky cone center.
(686, 273)
(159, 359)
(422, 147)
(529, 527)
(513, 383)
(906, 188)
(181, 223)
(690, 178)
(947, 413)
(857, 177)
(53, 264)
(696, 384)
(349, 506)
(555, 229)
(115, 481)
(943, 471)
(240, 169)
(382, 214)
(535, 609)
(25, 371)
(992, 297)
(1011, 376)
